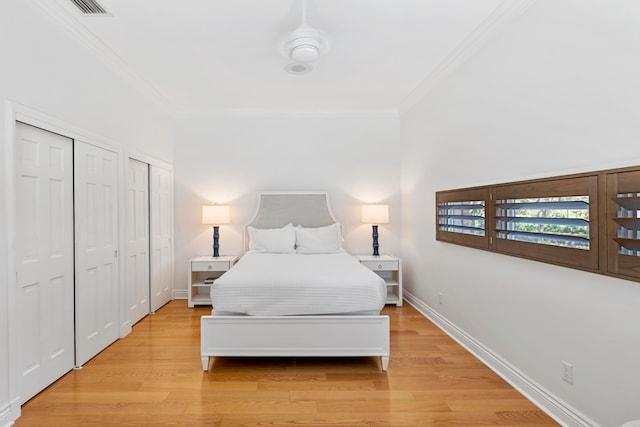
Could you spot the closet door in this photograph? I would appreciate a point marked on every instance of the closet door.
(96, 226)
(138, 291)
(44, 256)
(161, 233)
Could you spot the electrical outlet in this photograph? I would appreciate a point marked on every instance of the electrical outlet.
(567, 372)
(440, 299)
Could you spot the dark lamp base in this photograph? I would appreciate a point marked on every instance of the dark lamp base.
(375, 240)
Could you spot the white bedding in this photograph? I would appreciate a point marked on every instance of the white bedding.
(266, 284)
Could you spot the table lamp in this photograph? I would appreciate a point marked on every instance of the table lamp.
(215, 215)
(374, 215)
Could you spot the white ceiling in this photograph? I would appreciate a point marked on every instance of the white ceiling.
(212, 56)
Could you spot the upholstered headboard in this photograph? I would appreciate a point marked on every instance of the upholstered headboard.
(279, 208)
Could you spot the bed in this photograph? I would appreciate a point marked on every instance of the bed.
(326, 304)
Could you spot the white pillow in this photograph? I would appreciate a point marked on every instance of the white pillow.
(272, 240)
(320, 240)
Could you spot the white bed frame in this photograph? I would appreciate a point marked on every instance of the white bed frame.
(294, 336)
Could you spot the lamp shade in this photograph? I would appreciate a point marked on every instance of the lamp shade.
(215, 214)
(375, 214)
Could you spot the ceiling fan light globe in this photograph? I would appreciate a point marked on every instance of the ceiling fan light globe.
(304, 53)
(304, 44)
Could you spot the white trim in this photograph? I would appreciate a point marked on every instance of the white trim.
(504, 14)
(549, 403)
(10, 412)
(41, 120)
(5, 413)
(125, 328)
(388, 112)
(180, 294)
(12, 320)
(124, 319)
(146, 158)
(63, 17)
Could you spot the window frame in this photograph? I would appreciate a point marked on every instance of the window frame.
(615, 182)
(574, 186)
(604, 255)
(463, 195)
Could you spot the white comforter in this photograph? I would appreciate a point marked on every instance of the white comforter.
(265, 284)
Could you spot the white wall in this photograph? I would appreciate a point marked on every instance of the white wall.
(44, 70)
(230, 159)
(557, 92)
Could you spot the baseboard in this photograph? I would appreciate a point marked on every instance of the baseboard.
(549, 403)
(180, 294)
(9, 413)
(125, 329)
(5, 416)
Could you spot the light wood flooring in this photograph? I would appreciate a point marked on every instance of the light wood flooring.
(154, 377)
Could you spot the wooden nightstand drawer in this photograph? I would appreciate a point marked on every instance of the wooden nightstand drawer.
(381, 265)
(209, 265)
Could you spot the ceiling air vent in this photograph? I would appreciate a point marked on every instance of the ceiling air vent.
(89, 7)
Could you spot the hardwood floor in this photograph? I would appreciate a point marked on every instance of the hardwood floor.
(154, 377)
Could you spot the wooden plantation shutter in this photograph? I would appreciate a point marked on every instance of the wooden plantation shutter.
(623, 223)
(461, 217)
(553, 220)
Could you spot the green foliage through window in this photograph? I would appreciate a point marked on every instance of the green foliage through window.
(556, 221)
(465, 217)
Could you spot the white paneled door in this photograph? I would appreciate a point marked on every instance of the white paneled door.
(161, 231)
(44, 256)
(138, 291)
(96, 225)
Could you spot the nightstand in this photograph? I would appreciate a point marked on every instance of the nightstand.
(390, 269)
(203, 269)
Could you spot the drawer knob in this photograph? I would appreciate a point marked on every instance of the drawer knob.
(379, 266)
(209, 267)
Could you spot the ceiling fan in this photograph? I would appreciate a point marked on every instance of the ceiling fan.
(304, 45)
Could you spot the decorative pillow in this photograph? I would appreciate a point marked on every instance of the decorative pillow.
(272, 240)
(320, 240)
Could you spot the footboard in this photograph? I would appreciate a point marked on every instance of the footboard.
(294, 336)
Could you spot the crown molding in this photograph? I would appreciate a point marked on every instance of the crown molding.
(61, 14)
(64, 18)
(505, 13)
(290, 112)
